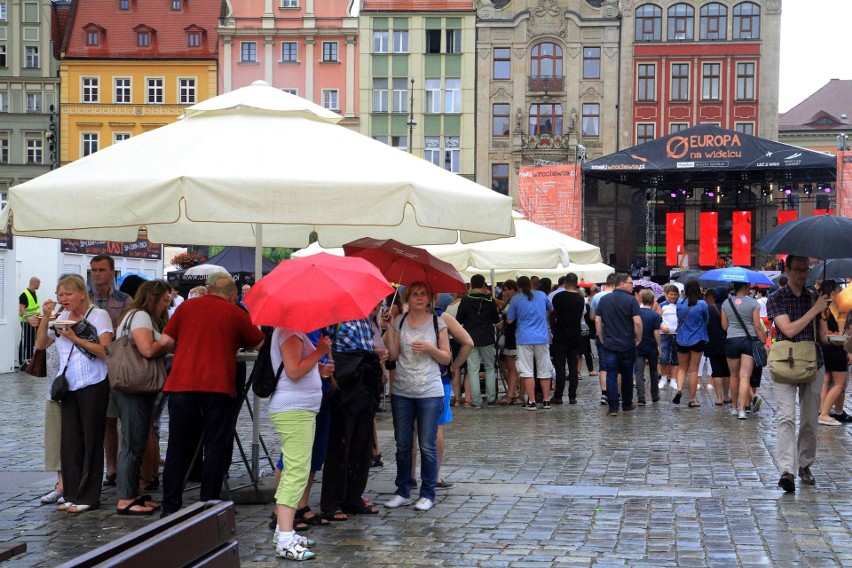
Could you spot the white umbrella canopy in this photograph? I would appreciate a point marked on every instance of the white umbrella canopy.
(256, 156)
(204, 270)
(594, 272)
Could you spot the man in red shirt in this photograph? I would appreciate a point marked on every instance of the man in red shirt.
(205, 335)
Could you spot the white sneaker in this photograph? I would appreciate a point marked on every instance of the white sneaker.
(742, 415)
(673, 384)
(662, 384)
(398, 501)
(734, 411)
(698, 387)
(423, 504)
(293, 551)
(297, 538)
(53, 497)
(709, 386)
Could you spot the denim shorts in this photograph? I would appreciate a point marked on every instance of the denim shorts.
(669, 348)
(446, 414)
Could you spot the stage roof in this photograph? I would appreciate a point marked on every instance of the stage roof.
(707, 155)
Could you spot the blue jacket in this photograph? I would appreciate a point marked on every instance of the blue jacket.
(694, 326)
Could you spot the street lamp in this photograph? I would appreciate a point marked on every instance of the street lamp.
(411, 123)
(842, 142)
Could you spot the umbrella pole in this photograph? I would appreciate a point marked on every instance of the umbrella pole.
(255, 423)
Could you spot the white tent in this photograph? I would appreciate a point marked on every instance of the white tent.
(594, 272)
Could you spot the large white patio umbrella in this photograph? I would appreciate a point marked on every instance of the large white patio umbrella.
(256, 156)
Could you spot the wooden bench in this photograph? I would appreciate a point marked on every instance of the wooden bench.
(204, 534)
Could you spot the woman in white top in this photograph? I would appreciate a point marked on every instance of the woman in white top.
(145, 320)
(84, 407)
(293, 410)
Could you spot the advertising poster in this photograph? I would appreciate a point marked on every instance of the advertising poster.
(552, 196)
(708, 244)
(674, 238)
(142, 248)
(741, 241)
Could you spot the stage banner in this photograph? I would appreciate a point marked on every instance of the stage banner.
(818, 212)
(843, 187)
(787, 215)
(552, 196)
(741, 241)
(674, 238)
(708, 244)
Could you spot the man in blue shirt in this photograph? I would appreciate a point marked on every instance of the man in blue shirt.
(649, 348)
(620, 331)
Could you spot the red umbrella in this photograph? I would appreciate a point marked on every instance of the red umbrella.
(308, 293)
(584, 284)
(404, 264)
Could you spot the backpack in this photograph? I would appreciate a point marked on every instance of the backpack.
(263, 377)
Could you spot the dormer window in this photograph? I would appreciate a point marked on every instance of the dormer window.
(177, 4)
(195, 35)
(94, 34)
(123, 4)
(144, 35)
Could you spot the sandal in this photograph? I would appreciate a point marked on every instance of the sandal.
(65, 506)
(150, 484)
(457, 403)
(517, 401)
(129, 512)
(293, 551)
(109, 481)
(363, 509)
(593, 373)
(79, 508)
(337, 515)
(149, 502)
(313, 520)
(693, 404)
(376, 461)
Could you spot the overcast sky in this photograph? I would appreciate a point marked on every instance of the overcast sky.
(814, 47)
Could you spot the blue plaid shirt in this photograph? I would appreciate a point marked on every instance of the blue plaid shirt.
(782, 302)
(351, 336)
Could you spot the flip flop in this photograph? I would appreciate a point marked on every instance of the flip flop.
(149, 502)
(337, 515)
(74, 509)
(364, 509)
(65, 506)
(129, 512)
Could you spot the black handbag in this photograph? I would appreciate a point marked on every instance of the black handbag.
(757, 350)
(59, 386)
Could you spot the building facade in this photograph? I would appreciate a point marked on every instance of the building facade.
(128, 66)
(432, 42)
(305, 47)
(817, 121)
(29, 89)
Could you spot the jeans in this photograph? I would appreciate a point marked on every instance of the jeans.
(134, 411)
(619, 362)
(485, 355)
(669, 347)
(561, 355)
(639, 375)
(426, 412)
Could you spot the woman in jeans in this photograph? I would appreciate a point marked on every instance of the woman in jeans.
(691, 337)
(738, 349)
(84, 407)
(144, 320)
(419, 343)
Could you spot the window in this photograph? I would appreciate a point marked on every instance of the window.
(329, 51)
(680, 82)
(4, 150)
(380, 95)
(744, 127)
(155, 91)
(399, 142)
(592, 63)
(746, 21)
(176, 4)
(91, 90)
(291, 91)
(649, 23)
(745, 81)
(433, 96)
(2, 55)
(452, 95)
(330, 98)
(382, 139)
(400, 95)
(143, 39)
(546, 62)
(122, 91)
(4, 101)
(545, 119)
(500, 119)
(432, 149)
(90, 143)
(120, 137)
(452, 154)
(711, 81)
(33, 102)
(453, 41)
(289, 52)
(646, 88)
(500, 178)
(193, 39)
(502, 63)
(677, 127)
(124, 4)
(2, 11)
(93, 38)
(681, 22)
(644, 133)
(591, 119)
(433, 41)
(31, 59)
(714, 22)
(186, 91)
(289, 3)
(400, 41)
(380, 41)
(248, 52)
(34, 150)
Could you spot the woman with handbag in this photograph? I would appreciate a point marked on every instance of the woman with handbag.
(143, 322)
(83, 372)
(741, 319)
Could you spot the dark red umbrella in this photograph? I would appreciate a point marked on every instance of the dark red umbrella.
(584, 284)
(308, 293)
(404, 264)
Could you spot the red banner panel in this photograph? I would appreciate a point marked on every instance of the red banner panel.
(708, 245)
(818, 212)
(553, 196)
(786, 215)
(741, 238)
(844, 184)
(674, 238)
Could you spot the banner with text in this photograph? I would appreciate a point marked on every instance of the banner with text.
(708, 245)
(142, 248)
(552, 196)
(844, 184)
(741, 238)
(674, 238)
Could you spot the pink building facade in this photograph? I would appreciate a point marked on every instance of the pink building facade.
(305, 47)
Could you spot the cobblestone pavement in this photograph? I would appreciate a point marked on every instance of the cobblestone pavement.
(664, 486)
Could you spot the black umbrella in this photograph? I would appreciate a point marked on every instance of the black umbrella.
(686, 275)
(830, 270)
(823, 237)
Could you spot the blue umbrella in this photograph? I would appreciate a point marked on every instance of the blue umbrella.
(736, 274)
(134, 274)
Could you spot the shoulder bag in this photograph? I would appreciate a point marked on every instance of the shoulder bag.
(37, 366)
(59, 386)
(128, 370)
(793, 362)
(757, 349)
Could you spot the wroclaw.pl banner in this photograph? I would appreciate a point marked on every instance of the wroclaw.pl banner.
(552, 196)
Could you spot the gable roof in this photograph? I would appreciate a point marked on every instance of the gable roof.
(823, 110)
(119, 37)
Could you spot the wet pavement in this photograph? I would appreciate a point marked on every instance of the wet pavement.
(663, 486)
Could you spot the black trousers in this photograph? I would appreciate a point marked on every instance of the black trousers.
(82, 443)
(347, 463)
(571, 353)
